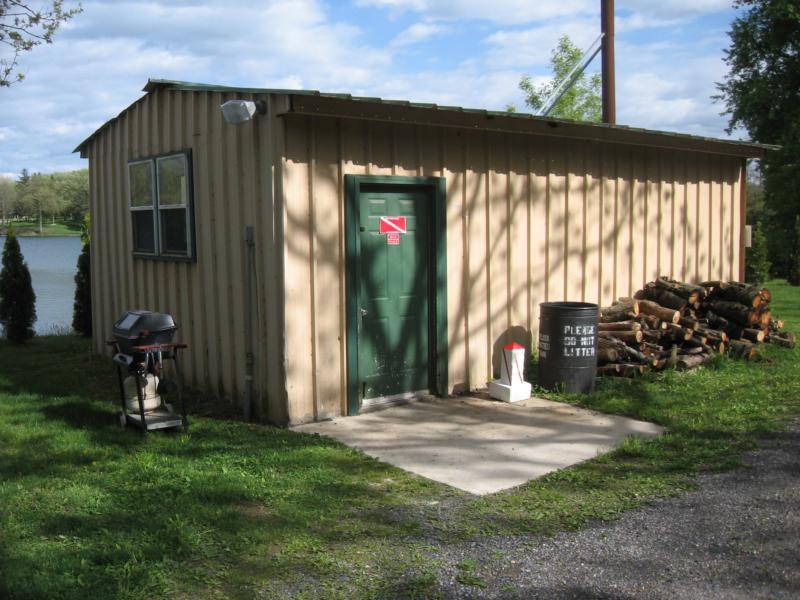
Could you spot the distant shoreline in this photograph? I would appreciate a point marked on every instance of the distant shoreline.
(48, 230)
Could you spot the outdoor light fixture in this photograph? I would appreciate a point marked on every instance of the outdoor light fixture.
(240, 111)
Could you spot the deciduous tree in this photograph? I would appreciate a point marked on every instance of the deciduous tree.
(581, 102)
(762, 94)
(25, 25)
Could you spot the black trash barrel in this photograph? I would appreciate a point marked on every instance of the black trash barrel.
(568, 346)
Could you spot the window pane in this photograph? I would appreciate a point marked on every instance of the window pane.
(143, 235)
(172, 180)
(173, 232)
(141, 182)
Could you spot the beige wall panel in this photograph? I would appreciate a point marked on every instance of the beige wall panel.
(454, 160)
(223, 158)
(106, 223)
(666, 262)
(458, 275)
(429, 150)
(726, 206)
(380, 148)
(99, 232)
(406, 150)
(593, 227)
(207, 204)
(556, 223)
(328, 219)
(111, 296)
(273, 136)
(575, 240)
(736, 221)
(537, 240)
(609, 233)
(519, 285)
(639, 229)
(693, 227)
(715, 213)
(355, 143)
(703, 214)
(679, 218)
(498, 243)
(478, 284)
(652, 218)
(297, 271)
(623, 222)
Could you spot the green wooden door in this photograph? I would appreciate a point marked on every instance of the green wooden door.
(393, 294)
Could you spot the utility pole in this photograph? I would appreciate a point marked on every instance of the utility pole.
(609, 82)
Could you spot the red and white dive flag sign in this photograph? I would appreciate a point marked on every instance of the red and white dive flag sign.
(392, 225)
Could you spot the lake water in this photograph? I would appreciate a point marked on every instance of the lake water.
(52, 262)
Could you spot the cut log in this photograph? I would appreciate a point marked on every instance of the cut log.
(696, 343)
(746, 295)
(620, 326)
(733, 311)
(765, 318)
(753, 335)
(766, 295)
(611, 370)
(694, 350)
(743, 349)
(665, 314)
(787, 340)
(688, 323)
(652, 337)
(629, 337)
(652, 322)
(691, 293)
(623, 311)
(607, 355)
(715, 321)
(713, 334)
(664, 297)
(691, 361)
(717, 285)
(678, 333)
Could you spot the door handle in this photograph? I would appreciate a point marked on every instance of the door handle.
(363, 312)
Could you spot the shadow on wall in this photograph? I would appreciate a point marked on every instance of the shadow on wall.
(515, 334)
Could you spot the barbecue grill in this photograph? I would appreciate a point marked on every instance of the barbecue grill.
(142, 341)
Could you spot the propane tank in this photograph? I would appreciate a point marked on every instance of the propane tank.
(149, 387)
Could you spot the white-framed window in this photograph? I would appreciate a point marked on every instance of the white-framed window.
(161, 206)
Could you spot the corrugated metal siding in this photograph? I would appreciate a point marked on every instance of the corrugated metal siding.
(530, 219)
(233, 180)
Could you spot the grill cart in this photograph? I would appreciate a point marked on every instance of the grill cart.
(142, 342)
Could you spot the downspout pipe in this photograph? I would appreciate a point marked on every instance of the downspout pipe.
(609, 75)
(249, 255)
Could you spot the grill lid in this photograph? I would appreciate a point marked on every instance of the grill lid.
(142, 328)
(142, 323)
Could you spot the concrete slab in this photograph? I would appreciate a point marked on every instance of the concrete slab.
(482, 446)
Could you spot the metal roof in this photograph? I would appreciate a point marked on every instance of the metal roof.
(592, 130)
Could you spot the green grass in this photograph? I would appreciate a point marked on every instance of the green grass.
(57, 229)
(242, 510)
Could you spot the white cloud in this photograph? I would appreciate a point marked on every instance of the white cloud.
(499, 11)
(418, 32)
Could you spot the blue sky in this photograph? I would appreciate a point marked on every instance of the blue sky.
(469, 53)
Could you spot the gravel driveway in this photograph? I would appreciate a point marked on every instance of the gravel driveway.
(737, 536)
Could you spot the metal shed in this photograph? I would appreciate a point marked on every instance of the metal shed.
(397, 245)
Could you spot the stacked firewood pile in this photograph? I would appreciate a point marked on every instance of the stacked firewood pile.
(673, 324)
